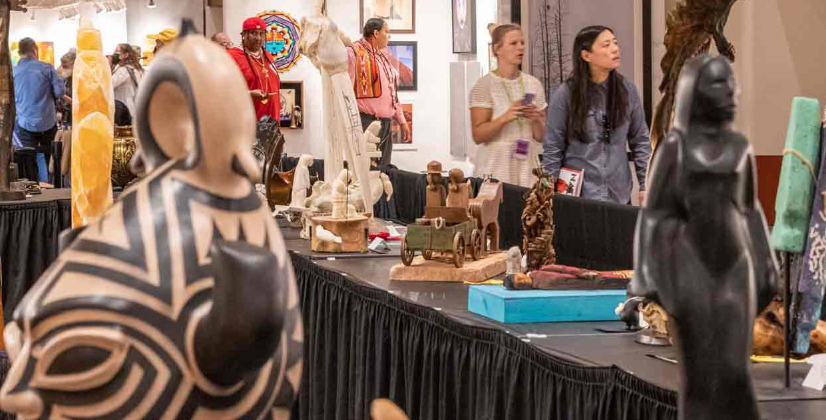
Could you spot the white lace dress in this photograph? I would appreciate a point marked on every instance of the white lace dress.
(495, 158)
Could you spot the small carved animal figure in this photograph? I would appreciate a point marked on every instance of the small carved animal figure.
(485, 208)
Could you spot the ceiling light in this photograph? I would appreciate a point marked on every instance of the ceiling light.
(151, 4)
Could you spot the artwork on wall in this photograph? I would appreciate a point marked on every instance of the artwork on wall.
(45, 52)
(404, 58)
(396, 133)
(283, 33)
(464, 26)
(400, 15)
(292, 104)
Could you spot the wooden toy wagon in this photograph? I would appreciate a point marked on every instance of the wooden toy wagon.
(443, 229)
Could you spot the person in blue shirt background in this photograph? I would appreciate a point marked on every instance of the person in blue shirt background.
(36, 88)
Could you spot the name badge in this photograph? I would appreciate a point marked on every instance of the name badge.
(521, 149)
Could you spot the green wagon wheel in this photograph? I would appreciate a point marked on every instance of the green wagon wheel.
(407, 253)
(458, 250)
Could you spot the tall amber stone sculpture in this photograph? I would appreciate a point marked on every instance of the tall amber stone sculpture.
(93, 110)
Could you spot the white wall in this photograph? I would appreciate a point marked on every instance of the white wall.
(780, 51)
(142, 21)
(63, 33)
(431, 113)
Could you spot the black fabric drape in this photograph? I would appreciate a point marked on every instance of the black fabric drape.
(28, 241)
(576, 241)
(26, 164)
(363, 343)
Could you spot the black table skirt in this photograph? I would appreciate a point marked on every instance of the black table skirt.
(365, 343)
(28, 241)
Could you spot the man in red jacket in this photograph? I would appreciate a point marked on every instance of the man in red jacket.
(258, 68)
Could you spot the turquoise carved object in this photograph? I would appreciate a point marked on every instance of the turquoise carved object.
(797, 177)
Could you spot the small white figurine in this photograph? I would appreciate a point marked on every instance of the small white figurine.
(514, 263)
(342, 207)
(326, 235)
(301, 181)
(372, 140)
(378, 182)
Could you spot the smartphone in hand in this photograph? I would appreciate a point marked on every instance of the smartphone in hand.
(528, 99)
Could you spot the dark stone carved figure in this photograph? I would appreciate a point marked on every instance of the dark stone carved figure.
(701, 246)
(180, 302)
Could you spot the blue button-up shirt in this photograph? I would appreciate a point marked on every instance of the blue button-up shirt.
(36, 86)
(605, 164)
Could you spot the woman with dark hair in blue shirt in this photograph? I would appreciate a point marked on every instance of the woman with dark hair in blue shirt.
(594, 118)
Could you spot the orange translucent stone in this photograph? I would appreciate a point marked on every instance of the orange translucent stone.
(92, 146)
(93, 113)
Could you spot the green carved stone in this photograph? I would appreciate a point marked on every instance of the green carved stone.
(796, 190)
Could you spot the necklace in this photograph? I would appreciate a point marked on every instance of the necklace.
(266, 75)
(508, 95)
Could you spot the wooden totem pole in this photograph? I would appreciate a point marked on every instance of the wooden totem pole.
(7, 111)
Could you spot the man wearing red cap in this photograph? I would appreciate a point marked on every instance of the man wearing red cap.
(258, 68)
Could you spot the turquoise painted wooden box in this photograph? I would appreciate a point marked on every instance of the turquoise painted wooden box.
(514, 306)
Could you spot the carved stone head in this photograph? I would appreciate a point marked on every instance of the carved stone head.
(180, 302)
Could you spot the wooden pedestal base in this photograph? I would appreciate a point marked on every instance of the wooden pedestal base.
(352, 231)
(442, 270)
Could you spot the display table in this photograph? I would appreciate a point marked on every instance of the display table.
(28, 240)
(416, 343)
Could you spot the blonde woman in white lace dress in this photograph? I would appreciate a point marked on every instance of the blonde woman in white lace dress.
(507, 112)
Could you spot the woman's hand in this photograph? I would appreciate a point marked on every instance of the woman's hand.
(517, 110)
(534, 114)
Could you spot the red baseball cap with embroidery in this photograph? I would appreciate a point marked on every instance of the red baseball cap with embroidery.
(254, 23)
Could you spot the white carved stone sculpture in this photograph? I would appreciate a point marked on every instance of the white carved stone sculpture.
(342, 207)
(378, 182)
(301, 181)
(325, 45)
(372, 140)
(321, 199)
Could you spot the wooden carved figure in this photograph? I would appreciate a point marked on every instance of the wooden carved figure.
(538, 223)
(459, 190)
(435, 194)
(179, 302)
(701, 248)
(485, 209)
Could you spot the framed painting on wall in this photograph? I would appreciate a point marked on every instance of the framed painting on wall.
(400, 15)
(292, 104)
(45, 52)
(396, 133)
(404, 58)
(464, 24)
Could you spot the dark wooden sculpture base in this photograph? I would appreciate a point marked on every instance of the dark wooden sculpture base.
(12, 195)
